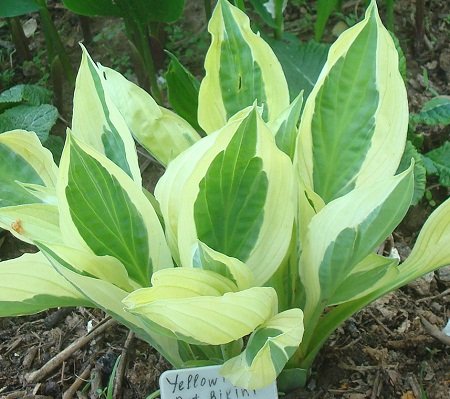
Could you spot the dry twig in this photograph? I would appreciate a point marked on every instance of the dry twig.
(121, 367)
(77, 383)
(434, 331)
(53, 363)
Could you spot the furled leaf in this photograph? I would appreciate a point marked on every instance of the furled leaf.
(106, 212)
(432, 249)
(347, 230)
(36, 118)
(420, 174)
(285, 127)
(241, 68)
(182, 88)
(162, 132)
(366, 276)
(97, 122)
(16, 8)
(23, 160)
(212, 320)
(233, 269)
(440, 158)
(30, 284)
(434, 112)
(356, 117)
(268, 350)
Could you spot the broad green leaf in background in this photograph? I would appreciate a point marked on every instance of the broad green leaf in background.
(36, 118)
(16, 8)
(241, 68)
(30, 284)
(356, 117)
(268, 350)
(160, 131)
(301, 62)
(434, 112)
(420, 173)
(92, 8)
(437, 161)
(23, 160)
(105, 212)
(182, 88)
(142, 10)
(24, 94)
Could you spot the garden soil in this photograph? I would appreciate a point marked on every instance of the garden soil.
(391, 349)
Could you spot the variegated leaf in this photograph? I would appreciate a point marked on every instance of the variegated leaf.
(24, 160)
(104, 267)
(97, 122)
(211, 320)
(241, 68)
(105, 212)
(108, 297)
(285, 127)
(160, 131)
(356, 117)
(432, 249)
(368, 275)
(226, 192)
(32, 222)
(30, 284)
(235, 270)
(267, 352)
(347, 230)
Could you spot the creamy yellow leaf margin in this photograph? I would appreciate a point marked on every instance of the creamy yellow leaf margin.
(95, 116)
(105, 267)
(27, 145)
(212, 114)
(203, 319)
(356, 213)
(177, 191)
(30, 284)
(159, 251)
(108, 297)
(160, 131)
(268, 350)
(32, 222)
(391, 118)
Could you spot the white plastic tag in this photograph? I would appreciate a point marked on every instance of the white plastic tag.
(207, 383)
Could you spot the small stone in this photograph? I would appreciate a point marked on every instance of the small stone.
(422, 284)
(443, 275)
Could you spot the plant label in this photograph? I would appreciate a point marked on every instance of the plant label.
(207, 383)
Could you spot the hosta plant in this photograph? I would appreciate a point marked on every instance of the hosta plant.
(263, 227)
